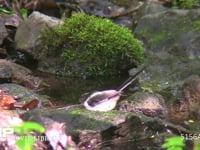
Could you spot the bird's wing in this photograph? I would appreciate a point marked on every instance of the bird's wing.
(101, 97)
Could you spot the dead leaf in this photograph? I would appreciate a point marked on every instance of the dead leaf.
(6, 101)
(31, 105)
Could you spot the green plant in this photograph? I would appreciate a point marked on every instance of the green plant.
(92, 45)
(23, 12)
(26, 140)
(196, 144)
(196, 25)
(189, 4)
(4, 11)
(174, 143)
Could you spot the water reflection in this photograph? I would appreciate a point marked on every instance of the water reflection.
(64, 91)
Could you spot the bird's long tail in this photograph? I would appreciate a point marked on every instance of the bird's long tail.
(126, 83)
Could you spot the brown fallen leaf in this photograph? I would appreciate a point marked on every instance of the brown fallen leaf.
(6, 101)
(29, 105)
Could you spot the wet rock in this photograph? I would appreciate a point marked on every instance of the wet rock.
(29, 30)
(89, 139)
(125, 21)
(97, 7)
(108, 8)
(173, 24)
(151, 8)
(178, 113)
(172, 50)
(23, 94)
(146, 103)
(185, 110)
(55, 8)
(3, 32)
(98, 130)
(78, 119)
(191, 93)
(8, 24)
(5, 73)
(11, 72)
(185, 105)
(3, 53)
(11, 20)
(121, 12)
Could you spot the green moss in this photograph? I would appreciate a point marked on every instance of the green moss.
(188, 24)
(170, 29)
(155, 37)
(189, 4)
(75, 112)
(95, 118)
(144, 32)
(159, 36)
(147, 89)
(196, 25)
(92, 113)
(93, 46)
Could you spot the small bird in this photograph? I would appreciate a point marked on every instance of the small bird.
(106, 100)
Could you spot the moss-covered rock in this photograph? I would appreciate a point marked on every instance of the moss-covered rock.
(23, 94)
(171, 40)
(106, 127)
(92, 46)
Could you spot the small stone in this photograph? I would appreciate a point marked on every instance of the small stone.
(146, 103)
(191, 93)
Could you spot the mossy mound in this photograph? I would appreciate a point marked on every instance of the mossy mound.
(92, 46)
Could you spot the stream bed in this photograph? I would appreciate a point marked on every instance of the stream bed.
(67, 91)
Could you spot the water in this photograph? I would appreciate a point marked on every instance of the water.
(66, 91)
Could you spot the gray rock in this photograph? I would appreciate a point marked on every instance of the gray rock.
(151, 8)
(5, 72)
(187, 103)
(78, 119)
(121, 12)
(3, 32)
(146, 103)
(191, 93)
(11, 72)
(95, 128)
(29, 30)
(23, 94)
(171, 41)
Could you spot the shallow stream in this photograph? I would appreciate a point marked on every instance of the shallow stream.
(67, 91)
